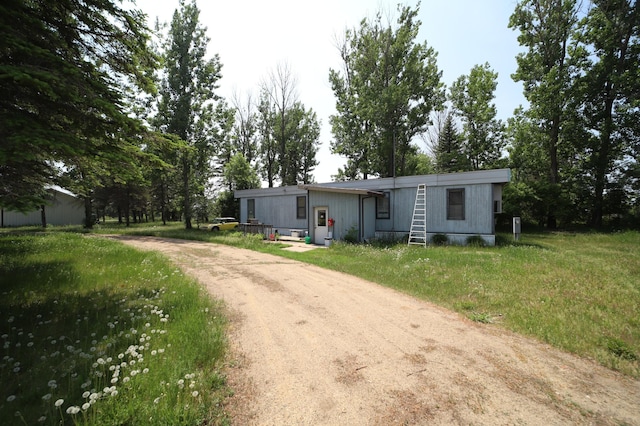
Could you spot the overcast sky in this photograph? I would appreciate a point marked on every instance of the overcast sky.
(253, 36)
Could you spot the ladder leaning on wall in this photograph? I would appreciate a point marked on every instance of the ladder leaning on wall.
(418, 233)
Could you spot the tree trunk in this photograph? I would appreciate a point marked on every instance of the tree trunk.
(126, 209)
(602, 159)
(554, 177)
(43, 216)
(88, 209)
(163, 203)
(187, 196)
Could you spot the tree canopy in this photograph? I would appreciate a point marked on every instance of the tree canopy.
(580, 79)
(63, 68)
(384, 94)
(187, 95)
(471, 97)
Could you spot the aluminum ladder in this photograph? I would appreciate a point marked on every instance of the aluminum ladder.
(418, 233)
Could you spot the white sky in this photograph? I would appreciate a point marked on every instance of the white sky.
(252, 37)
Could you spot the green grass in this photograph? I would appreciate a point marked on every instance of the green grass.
(116, 335)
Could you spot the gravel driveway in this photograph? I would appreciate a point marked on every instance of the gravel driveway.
(315, 347)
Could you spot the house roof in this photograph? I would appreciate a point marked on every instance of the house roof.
(356, 191)
(374, 186)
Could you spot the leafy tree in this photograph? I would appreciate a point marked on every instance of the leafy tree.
(547, 70)
(225, 143)
(384, 94)
(471, 97)
(245, 130)
(281, 89)
(448, 149)
(288, 132)
(239, 174)
(268, 146)
(62, 67)
(303, 133)
(611, 90)
(420, 164)
(186, 103)
(163, 172)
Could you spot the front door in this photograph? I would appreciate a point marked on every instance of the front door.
(320, 228)
(368, 218)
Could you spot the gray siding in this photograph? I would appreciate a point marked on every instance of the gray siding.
(343, 208)
(278, 210)
(478, 210)
(402, 201)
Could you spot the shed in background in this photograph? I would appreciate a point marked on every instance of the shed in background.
(62, 208)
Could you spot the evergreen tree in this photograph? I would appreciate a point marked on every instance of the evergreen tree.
(448, 150)
(62, 69)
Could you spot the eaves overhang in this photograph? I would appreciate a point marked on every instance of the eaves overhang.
(335, 189)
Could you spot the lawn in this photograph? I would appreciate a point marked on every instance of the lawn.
(74, 308)
(94, 332)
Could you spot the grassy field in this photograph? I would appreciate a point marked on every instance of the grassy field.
(94, 332)
(70, 301)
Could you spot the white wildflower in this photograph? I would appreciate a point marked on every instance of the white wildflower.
(74, 409)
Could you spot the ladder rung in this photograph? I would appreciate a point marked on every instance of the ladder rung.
(418, 232)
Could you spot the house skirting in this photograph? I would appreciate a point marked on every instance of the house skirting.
(461, 239)
(455, 239)
(392, 235)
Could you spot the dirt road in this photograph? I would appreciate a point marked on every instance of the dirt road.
(317, 347)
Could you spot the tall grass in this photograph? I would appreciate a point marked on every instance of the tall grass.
(94, 333)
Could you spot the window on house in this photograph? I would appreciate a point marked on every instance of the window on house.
(455, 204)
(251, 208)
(383, 207)
(301, 207)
